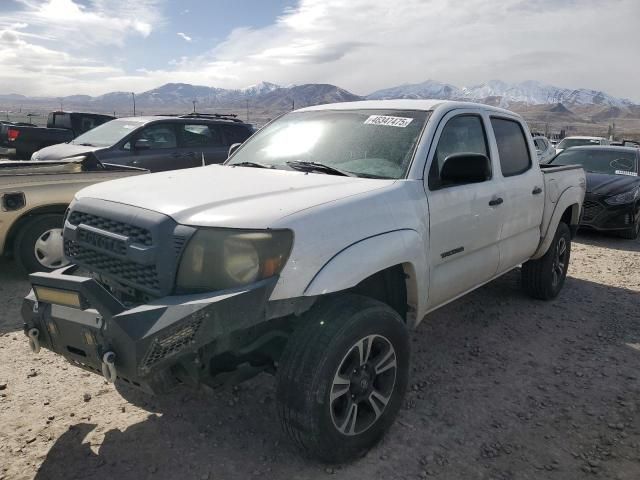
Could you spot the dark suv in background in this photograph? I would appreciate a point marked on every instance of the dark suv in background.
(157, 143)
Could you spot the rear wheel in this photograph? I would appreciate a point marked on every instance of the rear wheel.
(343, 377)
(39, 245)
(543, 278)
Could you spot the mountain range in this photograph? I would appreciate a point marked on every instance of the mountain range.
(264, 99)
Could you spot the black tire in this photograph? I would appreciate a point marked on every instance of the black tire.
(316, 354)
(543, 278)
(633, 232)
(25, 244)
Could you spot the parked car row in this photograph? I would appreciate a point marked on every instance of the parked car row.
(156, 143)
(61, 127)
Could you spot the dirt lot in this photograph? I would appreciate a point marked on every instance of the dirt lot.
(503, 387)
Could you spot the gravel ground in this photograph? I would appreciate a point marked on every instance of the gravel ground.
(502, 387)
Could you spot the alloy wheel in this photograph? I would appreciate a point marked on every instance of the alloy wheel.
(363, 385)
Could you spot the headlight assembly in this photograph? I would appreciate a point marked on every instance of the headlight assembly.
(218, 259)
(626, 197)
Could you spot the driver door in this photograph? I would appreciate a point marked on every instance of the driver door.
(464, 219)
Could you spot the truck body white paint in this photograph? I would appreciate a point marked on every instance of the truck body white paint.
(346, 229)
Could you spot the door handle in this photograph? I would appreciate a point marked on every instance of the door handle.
(495, 202)
(536, 191)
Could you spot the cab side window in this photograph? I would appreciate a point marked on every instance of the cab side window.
(461, 134)
(512, 146)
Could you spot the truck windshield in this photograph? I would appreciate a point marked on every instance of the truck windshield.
(364, 143)
(600, 161)
(109, 133)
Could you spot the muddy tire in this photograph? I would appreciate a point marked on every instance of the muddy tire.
(342, 377)
(38, 246)
(543, 278)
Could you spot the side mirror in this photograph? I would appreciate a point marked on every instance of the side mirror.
(142, 144)
(233, 148)
(463, 168)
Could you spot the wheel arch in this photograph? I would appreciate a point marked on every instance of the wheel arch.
(26, 217)
(567, 210)
(389, 267)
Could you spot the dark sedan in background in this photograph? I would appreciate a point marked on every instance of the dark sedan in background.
(156, 143)
(612, 201)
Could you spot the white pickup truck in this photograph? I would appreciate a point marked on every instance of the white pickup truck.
(311, 254)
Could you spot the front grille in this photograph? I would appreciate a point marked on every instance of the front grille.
(137, 235)
(144, 276)
(171, 343)
(591, 210)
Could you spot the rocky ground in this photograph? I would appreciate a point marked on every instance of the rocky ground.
(503, 387)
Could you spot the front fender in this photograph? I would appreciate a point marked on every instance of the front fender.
(572, 198)
(358, 261)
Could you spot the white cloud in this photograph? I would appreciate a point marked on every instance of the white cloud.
(184, 36)
(364, 45)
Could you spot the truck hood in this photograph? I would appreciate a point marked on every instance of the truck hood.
(227, 196)
(604, 184)
(64, 150)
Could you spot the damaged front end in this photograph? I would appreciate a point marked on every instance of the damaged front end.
(150, 346)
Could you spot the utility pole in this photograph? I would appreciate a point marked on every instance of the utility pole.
(293, 104)
(194, 105)
(61, 109)
(133, 96)
(247, 110)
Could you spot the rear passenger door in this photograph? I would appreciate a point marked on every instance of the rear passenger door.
(464, 219)
(201, 144)
(523, 192)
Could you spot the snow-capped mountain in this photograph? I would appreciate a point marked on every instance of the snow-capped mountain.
(260, 88)
(502, 93)
(428, 89)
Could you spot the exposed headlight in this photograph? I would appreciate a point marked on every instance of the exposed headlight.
(218, 259)
(626, 197)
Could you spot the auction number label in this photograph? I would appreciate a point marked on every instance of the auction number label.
(388, 121)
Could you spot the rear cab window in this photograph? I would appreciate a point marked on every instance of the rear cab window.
(513, 148)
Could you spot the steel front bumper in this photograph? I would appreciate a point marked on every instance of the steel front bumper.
(139, 345)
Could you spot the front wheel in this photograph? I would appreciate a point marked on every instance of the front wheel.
(544, 277)
(39, 245)
(343, 377)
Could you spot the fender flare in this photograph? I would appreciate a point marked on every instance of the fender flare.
(348, 267)
(572, 198)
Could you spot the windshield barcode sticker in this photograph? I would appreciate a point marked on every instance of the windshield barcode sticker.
(388, 121)
(625, 172)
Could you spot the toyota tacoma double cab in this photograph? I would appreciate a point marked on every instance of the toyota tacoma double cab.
(310, 254)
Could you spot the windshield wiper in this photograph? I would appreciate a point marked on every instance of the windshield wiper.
(318, 167)
(251, 164)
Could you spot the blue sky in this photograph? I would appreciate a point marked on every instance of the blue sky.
(63, 47)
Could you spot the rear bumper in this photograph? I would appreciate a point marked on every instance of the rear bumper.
(149, 340)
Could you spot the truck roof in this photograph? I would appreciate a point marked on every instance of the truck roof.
(404, 104)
